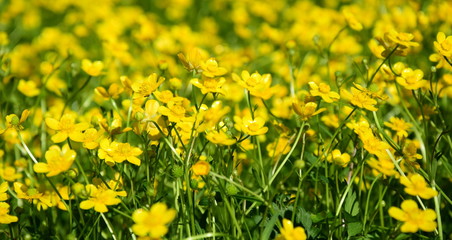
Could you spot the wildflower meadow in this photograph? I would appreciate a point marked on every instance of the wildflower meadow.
(225, 119)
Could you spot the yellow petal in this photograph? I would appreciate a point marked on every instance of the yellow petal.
(41, 167)
(53, 123)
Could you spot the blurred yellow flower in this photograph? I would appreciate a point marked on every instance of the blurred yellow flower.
(288, 232)
(145, 87)
(341, 159)
(258, 85)
(351, 21)
(5, 218)
(153, 222)
(209, 85)
(413, 217)
(416, 185)
(443, 45)
(28, 88)
(92, 68)
(201, 168)
(114, 152)
(91, 138)
(219, 137)
(58, 161)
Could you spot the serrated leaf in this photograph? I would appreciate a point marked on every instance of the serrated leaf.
(305, 218)
(354, 228)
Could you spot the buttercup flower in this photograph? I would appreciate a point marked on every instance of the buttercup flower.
(209, 85)
(92, 68)
(413, 217)
(324, 91)
(341, 159)
(114, 152)
(288, 232)
(443, 45)
(211, 69)
(145, 87)
(257, 84)
(416, 185)
(411, 80)
(28, 88)
(5, 218)
(65, 128)
(250, 126)
(306, 110)
(399, 125)
(99, 199)
(201, 168)
(13, 121)
(219, 137)
(153, 222)
(58, 161)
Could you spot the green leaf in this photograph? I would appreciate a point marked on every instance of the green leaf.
(354, 228)
(351, 205)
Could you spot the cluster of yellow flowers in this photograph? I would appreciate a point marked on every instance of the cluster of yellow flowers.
(209, 114)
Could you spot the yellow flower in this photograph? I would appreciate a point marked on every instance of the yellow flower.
(65, 128)
(443, 45)
(351, 21)
(3, 188)
(411, 80)
(410, 150)
(91, 138)
(164, 96)
(114, 152)
(324, 91)
(145, 87)
(399, 125)
(416, 185)
(250, 126)
(279, 147)
(413, 217)
(192, 61)
(4, 38)
(58, 161)
(211, 69)
(306, 110)
(28, 88)
(258, 85)
(92, 68)
(360, 98)
(24, 192)
(209, 85)
(403, 39)
(201, 168)
(288, 232)
(113, 91)
(341, 159)
(153, 223)
(5, 218)
(175, 109)
(219, 137)
(99, 199)
(13, 121)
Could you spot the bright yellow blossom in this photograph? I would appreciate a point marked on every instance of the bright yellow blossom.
(5, 218)
(351, 21)
(306, 110)
(219, 137)
(58, 161)
(201, 168)
(99, 199)
(14, 122)
(258, 85)
(65, 128)
(211, 69)
(145, 87)
(324, 91)
(413, 217)
(279, 147)
(416, 185)
(175, 109)
(114, 152)
(9, 173)
(288, 232)
(209, 85)
(3, 188)
(91, 138)
(153, 223)
(28, 88)
(359, 98)
(411, 80)
(24, 192)
(250, 126)
(92, 68)
(443, 45)
(193, 59)
(341, 159)
(399, 125)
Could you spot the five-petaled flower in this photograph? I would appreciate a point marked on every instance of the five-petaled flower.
(289, 232)
(66, 128)
(413, 217)
(153, 222)
(58, 161)
(416, 185)
(250, 126)
(99, 198)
